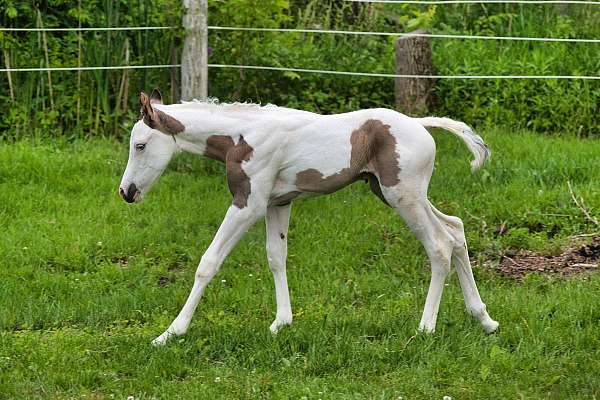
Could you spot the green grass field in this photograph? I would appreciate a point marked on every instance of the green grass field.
(88, 281)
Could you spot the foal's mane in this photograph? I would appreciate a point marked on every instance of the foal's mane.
(213, 102)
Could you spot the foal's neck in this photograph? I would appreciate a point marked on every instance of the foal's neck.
(203, 121)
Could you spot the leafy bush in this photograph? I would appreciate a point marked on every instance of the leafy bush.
(105, 102)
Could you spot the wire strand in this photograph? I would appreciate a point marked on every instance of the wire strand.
(441, 2)
(305, 70)
(116, 28)
(88, 68)
(428, 35)
(316, 31)
(381, 75)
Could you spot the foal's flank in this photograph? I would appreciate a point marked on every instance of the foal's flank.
(276, 155)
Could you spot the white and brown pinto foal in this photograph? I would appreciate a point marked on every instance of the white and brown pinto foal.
(274, 155)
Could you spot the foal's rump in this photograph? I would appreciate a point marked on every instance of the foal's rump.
(413, 149)
(382, 146)
(409, 134)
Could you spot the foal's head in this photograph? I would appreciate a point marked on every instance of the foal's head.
(151, 147)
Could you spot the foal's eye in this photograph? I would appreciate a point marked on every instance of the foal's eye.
(140, 146)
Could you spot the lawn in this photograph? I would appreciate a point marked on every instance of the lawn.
(88, 281)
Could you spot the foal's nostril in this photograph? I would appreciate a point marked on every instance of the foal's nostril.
(131, 191)
(121, 192)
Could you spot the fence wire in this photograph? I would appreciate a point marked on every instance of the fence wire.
(340, 32)
(442, 2)
(306, 70)
(312, 31)
(427, 35)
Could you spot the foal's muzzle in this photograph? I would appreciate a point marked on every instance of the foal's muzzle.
(131, 194)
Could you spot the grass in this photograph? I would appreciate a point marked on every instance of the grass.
(88, 282)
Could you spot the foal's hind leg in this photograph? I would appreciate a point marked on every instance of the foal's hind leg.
(460, 258)
(438, 244)
(444, 241)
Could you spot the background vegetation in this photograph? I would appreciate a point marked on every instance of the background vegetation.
(88, 282)
(105, 102)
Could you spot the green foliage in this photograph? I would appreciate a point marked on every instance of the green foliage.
(92, 102)
(105, 102)
(88, 281)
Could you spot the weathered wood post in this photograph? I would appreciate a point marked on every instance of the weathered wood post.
(413, 57)
(194, 60)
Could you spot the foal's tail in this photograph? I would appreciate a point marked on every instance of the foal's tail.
(473, 141)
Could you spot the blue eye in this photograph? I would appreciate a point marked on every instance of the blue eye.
(140, 146)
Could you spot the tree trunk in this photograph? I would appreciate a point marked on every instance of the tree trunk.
(413, 57)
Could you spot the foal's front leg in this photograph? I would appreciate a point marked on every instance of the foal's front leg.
(278, 219)
(237, 221)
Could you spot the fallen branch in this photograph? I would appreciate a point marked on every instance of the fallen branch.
(513, 261)
(585, 265)
(581, 205)
(583, 235)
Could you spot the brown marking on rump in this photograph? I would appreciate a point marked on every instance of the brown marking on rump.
(157, 119)
(237, 180)
(217, 147)
(373, 150)
(383, 157)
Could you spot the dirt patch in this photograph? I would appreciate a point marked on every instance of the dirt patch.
(164, 281)
(575, 259)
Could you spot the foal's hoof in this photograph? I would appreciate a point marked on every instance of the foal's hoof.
(427, 330)
(491, 326)
(278, 324)
(162, 339)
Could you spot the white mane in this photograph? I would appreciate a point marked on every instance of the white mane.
(213, 102)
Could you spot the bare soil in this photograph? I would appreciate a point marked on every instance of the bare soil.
(577, 258)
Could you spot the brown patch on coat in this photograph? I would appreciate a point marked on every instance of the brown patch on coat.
(157, 119)
(237, 180)
(375, 188)
(373, 151)
(284, 199)
(217, 147)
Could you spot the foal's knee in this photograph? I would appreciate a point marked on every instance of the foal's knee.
(208, 267)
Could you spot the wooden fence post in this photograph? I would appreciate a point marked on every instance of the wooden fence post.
(194, 60)
(413, 57)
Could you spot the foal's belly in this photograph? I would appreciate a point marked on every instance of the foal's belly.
(310, 182)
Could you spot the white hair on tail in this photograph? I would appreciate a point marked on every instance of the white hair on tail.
(473, 141)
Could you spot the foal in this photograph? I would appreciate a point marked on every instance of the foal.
(275, 155)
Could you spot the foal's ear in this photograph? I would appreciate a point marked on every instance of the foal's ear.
(157, 119)
(156, 97)
(146, 104)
